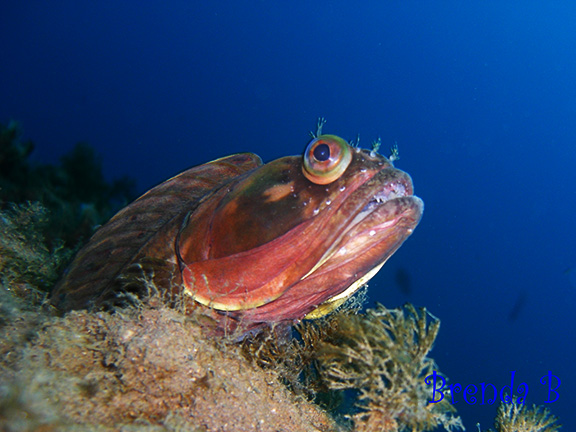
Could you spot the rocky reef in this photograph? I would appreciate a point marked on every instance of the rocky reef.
(140, 370)
(74, 192)
(151, 367)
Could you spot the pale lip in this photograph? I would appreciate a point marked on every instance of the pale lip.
(379, 230)
(392, 205)
(383, 222)
(389, 222)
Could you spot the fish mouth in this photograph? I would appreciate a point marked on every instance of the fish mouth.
(400, 187)
(381, 217)
(389, 205)
(374, 232)
(390, 191)
(400, 214)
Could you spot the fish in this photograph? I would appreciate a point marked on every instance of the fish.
(253, 243)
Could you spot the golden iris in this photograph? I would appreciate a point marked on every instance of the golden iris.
(326, 158)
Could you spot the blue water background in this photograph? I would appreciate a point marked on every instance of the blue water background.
(479, 96)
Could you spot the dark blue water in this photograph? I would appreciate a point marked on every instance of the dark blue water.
(481, 99)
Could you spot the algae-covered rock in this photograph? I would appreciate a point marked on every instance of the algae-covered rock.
(151, 368)
(28, 264)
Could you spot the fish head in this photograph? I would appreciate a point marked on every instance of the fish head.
(299, 235)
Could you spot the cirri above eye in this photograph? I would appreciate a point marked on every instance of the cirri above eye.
(249, 245)
(326, 158)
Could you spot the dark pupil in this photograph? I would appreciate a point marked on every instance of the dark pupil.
(322, 152)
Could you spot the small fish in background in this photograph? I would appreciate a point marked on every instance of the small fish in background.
(570, 272)
(403, 281)
(518, 306)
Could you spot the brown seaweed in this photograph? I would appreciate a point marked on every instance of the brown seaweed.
(516, 417)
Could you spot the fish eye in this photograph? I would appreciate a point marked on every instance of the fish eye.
(326, 158)
(322, 152)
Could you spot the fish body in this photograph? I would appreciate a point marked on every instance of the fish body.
(253, 242)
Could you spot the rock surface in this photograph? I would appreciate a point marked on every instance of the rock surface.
(148, 369)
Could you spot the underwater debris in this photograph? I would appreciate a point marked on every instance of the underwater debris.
(384, 356)
(516, 417)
